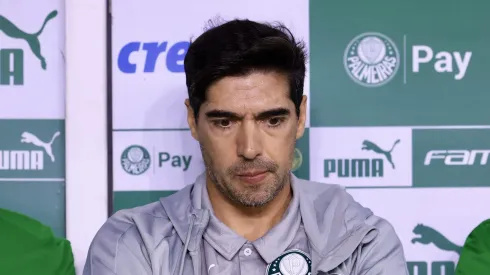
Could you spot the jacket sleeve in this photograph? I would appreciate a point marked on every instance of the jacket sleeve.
(117, 249)
(475, 255)
(384, 254)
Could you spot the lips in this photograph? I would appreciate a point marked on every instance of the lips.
(253, 177)
(252, 173)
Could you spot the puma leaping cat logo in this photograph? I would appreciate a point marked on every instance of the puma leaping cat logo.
(32, 39)
(371, 146)
(429, 235)
(30, 138)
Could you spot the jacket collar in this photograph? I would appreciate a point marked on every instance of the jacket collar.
(180, 208)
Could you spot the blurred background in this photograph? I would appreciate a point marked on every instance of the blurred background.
(92, 116)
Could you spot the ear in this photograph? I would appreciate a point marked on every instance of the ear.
(191, 120)
(302, 118)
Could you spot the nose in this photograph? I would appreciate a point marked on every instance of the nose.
(249, 144)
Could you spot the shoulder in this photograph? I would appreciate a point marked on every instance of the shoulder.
(320, 190)
(335, 200)
(381, 250)
(482, 228)
(134, 227)
(479, 237)
(23, 226)
(327, 197)
(475, 251)
(127, 241)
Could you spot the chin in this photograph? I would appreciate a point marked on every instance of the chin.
(262, 200)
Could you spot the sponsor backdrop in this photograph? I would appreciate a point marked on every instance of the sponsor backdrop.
(32, 92)
(398, 115)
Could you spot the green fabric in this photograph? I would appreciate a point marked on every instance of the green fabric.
(28, 247)
(475, 256)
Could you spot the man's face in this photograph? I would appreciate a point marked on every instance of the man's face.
(247, 129)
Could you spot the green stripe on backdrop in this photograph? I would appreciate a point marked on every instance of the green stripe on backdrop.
(130, 199)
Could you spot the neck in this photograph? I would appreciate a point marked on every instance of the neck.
(249, 222)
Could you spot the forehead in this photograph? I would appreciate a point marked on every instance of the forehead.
(255, 91)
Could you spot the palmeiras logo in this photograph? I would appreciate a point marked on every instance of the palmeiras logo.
(135, 160)
(371, 59)
(297, 159)
(291, 262)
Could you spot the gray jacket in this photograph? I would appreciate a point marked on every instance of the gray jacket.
(164, 237)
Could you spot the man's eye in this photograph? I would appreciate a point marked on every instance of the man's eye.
(223, 123)
(275, 121)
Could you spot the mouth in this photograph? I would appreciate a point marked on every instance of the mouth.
(253, 177)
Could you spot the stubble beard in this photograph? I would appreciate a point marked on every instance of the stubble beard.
(250, 196)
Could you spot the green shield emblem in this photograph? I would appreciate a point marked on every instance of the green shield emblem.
(298, 159)
(291, 262)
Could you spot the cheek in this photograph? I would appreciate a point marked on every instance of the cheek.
(220, 150)
(281, 149)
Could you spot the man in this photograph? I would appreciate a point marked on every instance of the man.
(247, 214)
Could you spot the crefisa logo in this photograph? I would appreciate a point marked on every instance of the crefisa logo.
(371, 59)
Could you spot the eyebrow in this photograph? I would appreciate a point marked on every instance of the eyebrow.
(262, 115)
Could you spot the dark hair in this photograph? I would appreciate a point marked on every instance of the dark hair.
(239, 47)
